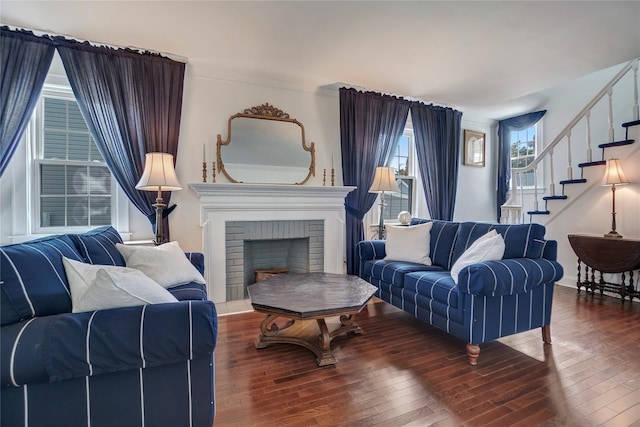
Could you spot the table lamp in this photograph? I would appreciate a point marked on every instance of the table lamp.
(159, 175)
(384, 180)
(613, 176)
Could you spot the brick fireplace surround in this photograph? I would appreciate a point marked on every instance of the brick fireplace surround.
(231, 203)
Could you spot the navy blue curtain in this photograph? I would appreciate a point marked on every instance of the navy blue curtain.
(132, 103)
(370, 125)
(504, 151)
(437, 137)
(25, 61)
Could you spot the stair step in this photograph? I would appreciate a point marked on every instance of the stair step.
(573, 181)
(617, 143)
(596, 163)
(538, 213)
(554, 198)
(629, 124)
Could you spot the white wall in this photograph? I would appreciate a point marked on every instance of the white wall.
(588, 208)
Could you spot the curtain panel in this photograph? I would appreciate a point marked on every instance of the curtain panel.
(370, 125)
(24, 62)
(437, 137)
(505, 127)
(132, 103)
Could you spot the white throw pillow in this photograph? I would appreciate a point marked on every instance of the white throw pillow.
(409, 244)
(81, 275)
(166, 264)
(489, 247)
(121, 288)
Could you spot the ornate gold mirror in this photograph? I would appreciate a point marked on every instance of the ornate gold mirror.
(265, 145)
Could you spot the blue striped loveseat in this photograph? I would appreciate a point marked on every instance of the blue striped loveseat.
(492, 299)
(130, 366)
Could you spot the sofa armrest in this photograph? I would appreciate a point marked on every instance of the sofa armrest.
(508, 276)
(197, 259)
(371, 249)
(99, 342)
(550, 250)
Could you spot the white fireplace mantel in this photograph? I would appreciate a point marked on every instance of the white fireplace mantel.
(224, 202)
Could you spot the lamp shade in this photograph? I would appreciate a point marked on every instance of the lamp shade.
(384, 180)
(613, 173)
(159, 173)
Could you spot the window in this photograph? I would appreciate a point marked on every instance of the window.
(73, 184)
(401, 160)
(523, 152)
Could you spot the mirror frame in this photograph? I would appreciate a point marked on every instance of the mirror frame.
(265, 112)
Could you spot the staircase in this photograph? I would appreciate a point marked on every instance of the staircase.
(599, 114)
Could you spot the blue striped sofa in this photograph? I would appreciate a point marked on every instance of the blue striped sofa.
(492, 299)
(143, 365)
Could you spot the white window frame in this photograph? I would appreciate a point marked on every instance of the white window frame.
(34, 139)
(538, 146)
(411, 175)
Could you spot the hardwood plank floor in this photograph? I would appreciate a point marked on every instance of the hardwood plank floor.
(403, 372)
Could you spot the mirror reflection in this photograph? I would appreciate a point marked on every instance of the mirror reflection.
(265, 145)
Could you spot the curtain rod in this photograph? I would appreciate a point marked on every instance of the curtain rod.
(41, 33)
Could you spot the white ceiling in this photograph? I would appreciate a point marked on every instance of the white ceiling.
(486, 57)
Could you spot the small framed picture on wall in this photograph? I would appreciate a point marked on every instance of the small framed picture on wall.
(474, 142)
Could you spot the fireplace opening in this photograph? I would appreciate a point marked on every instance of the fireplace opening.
(291, 255)
(297, 246)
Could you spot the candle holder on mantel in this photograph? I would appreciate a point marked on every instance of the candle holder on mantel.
(324, 177)
(333, 177)
(204, 171)
(213, 171)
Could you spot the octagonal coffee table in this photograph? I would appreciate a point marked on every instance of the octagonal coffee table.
(305, 301)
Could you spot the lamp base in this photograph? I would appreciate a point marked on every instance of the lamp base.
(613, 234)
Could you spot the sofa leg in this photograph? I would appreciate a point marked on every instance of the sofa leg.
(473, 351)
(546, 334)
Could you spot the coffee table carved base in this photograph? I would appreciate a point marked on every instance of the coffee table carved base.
(313, 334)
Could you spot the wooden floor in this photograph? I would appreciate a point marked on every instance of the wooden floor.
(402, 372)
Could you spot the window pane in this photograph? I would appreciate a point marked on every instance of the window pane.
(100, 211)
(78, 214)
(52, 179)
(77, 180)
(55, 113)
(99, 180)
(398, 202)
(52, 212)
(55, 144)
(399, 159)
(79, 146)
(76, 122)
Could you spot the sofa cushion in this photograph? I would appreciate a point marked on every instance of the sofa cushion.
(441, 241)
(122, 287)
(98, 246)
(488, 247)
(437, 285)
(166, 264)
(394, 271)
(520, 240)
(33, 279)
(409, 244)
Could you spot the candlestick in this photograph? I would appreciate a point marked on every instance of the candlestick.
(213, 171)
(333, 177)
(324, 178)
(204, 171)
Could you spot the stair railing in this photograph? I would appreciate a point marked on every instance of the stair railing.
(512, 210)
